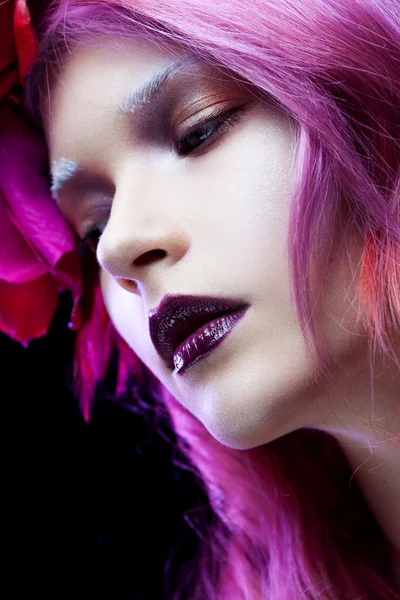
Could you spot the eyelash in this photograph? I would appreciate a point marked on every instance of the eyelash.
(208, 128)
(218, 124)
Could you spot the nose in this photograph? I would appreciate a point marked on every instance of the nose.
(143, 238)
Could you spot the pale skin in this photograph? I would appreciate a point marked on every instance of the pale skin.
(220, 215)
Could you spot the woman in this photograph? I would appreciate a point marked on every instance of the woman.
(234, 169)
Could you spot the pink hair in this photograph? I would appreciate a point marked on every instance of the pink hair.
(284, 528)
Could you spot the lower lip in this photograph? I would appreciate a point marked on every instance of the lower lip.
(205, 339)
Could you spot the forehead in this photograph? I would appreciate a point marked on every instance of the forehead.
(95, 79)
(89, 63)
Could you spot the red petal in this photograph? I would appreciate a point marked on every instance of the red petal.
(27, 309)
(25, 38)
(8, 53)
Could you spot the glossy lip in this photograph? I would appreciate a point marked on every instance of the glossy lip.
(178, 317)
(205, 339)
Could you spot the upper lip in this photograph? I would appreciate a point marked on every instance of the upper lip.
(178, 316)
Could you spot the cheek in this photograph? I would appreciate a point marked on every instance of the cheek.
(246, 188)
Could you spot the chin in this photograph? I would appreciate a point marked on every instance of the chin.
(230, 428)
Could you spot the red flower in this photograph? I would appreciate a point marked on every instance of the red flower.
(37, 256)
(18, 44)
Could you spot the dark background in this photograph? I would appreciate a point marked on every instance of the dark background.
(93, 505)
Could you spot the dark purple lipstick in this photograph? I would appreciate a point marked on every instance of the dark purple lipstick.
(185, 328)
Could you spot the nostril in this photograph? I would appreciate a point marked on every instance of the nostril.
(131, 286)
(148, 257)
(127, 284)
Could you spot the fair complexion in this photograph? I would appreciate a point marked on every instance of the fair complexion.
(214, 222)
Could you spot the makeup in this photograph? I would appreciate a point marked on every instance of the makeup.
(63, 170)
(144, 93)
(186, 327)
(204, 340)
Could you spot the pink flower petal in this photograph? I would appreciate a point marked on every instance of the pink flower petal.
(37, 250)
(18, 264)
(23, 183)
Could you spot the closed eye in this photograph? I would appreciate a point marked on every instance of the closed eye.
(199, 136)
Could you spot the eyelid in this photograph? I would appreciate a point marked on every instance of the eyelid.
(199, 119)
(97, 214)
(219, 126)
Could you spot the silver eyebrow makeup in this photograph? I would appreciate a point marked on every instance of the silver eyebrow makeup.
(63, 169)
(144, 93)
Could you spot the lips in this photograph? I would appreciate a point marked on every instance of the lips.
(178, 317)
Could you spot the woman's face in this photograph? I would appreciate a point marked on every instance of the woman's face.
(207, 215)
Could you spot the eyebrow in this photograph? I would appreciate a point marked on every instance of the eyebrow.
(63, 170)
(66, 169)
(145, 93)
